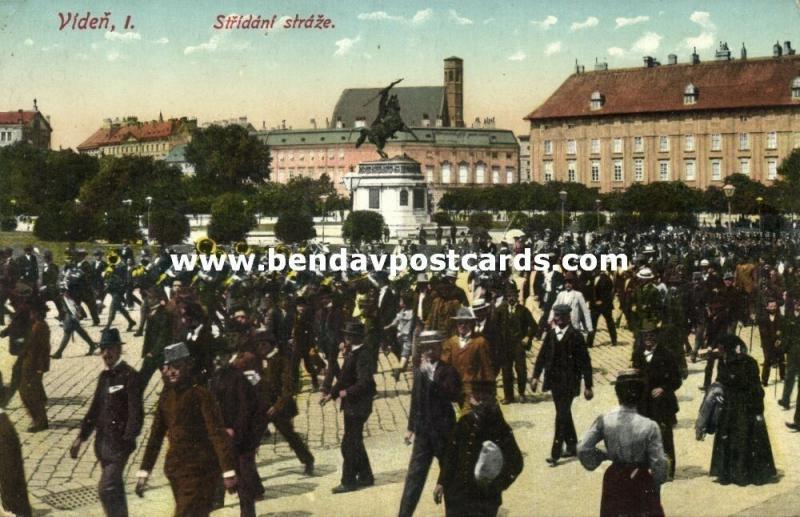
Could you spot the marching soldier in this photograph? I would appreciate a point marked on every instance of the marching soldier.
(82, 273)
(117, 286)
(71, 324)
(28, 267)
(49, 288)
(116, 414)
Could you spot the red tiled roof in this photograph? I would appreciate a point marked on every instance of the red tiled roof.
(751, 83)
(143, 131)
(12, 117)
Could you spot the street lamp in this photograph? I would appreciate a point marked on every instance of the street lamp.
(563, 196)
(149, 201)
(597, 204)
(324, 199)
(760, 201)
(729, 190)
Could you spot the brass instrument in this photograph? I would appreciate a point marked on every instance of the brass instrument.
(242, 248)
(112, 259)
(205, 246)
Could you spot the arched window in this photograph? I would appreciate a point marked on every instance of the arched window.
(446, 172)
(463, 173)
(796, 88)
(690, 94)
(597, 100)
(480, 173)
(403, 198)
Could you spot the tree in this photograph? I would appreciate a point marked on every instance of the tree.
(230, 219)
(363, 226)
(66, 222)
(227, 158)
(168, 226)
(587, 221)
(304, 194)
(295, 226)
(787, 188)
(442, 219)
(119, 224)
(480, 220)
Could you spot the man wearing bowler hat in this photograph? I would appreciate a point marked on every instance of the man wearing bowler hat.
(469, 354)
(355, 389)
(200, 450)
(116, 415)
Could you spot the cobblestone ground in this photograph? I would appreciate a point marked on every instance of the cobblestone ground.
(62, 486)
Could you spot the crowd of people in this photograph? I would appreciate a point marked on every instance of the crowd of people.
(231, 348)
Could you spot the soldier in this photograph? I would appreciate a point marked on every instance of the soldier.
(73, 314)
(303, 344)
(28, 267)
(35, 359)
(82, 273)
(49, 289)
(117, 286)
(200, 450)
(355, 389)
(116, 414)
(13, 487)
(564, 360)
(469, 354)
(516, 328)
(157, 336)
(96, 280)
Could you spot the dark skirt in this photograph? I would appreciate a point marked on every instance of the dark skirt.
(742, 451)
(630, 490)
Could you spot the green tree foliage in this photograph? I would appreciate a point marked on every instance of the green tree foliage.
(363, 226)
(66, 222)
(119, 224)
(8, 223)
(168, 226)
(548, 221)
(787, 188)
(295, 226)
(478, 220)
(303, 194)
(442, 219)
(231, 220)
(227, 158)
(745, 197)
(587, 221)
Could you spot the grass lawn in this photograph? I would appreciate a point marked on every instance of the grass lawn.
(17, 240)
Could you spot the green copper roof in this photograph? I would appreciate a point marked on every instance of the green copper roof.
(415, 103)
(439, 136)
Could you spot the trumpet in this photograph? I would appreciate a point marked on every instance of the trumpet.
(205, 246)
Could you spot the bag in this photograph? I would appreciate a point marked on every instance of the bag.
(490, 463)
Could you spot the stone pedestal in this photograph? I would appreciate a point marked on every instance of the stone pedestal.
(394, 187)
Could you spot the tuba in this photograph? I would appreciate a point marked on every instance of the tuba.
(242, 248)
(205, 246)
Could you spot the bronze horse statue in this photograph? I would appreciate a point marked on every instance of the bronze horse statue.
(386, 124)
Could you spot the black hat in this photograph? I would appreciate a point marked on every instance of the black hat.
(629, 376)
(109, 337)
(354, 328)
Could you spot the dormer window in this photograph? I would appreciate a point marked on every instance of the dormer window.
(796, 88)
(690, 94)
(597, 101)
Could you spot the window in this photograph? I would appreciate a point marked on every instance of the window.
(663, 144)
(772, 169)
(495, 175)
(572, 172)
(404, 197)
(796, 141)
(688, 143)
(619, 174)
(638, 170)
(595, 172)
(744, 166)
(796, 88)
(331, 155)
(663, 170)
(341, 154)
(690, 94)
(480, 173)
(548, 146)
(716, 170)
(360, 122)
(547, 174)
(463, 173)
(429, 173)
(691, 170)
(509, 175)
(772, 140)
(445, 172)
(572, 147)
(595, 146)
(716, 142)
(375, 198)
(744, 141)
(617, 145)
(419, 199)
(638, 144)
(596, 101)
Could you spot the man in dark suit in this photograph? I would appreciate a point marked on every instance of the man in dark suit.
(116, 414)
(565, 360)
(516, 328)
(601, 303)
(355, 389)
(662, 379)
(13, 487)
(28, 267)
(769, 327)
(431, 417)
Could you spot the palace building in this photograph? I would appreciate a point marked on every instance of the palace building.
(25, 126)
(696, 122)
(129, 137)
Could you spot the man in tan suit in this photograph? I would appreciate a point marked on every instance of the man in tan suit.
(469, 353)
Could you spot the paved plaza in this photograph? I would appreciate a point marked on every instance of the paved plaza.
(65, 487)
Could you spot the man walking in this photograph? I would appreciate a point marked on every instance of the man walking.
(516, 328)
(116, 415)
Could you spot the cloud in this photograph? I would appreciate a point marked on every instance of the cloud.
(546, 23)
(703, 19)
(488, 20)
(459, 20)
(647, 44)
(704, 40)
(624, 22)
(382, 16)
(28, 42)
(48, 48)
(422, 16)
(552, 48)
(113, 55)
(209, 46)
(616, 52)
(517, 56)
(345, 45)
(123, 36)
(591, 21)
(161, 41)
(379, 16)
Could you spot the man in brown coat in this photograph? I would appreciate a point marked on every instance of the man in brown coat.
(200, 450)
(35, 362)
(469, 354)
(13, 488)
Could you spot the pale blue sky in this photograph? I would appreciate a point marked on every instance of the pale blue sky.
(515, 53)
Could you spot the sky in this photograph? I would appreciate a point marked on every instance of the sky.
(173, 61)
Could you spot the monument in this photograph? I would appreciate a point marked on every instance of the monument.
(394, 187)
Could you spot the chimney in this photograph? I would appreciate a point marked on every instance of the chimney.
(36, 108)
(263, 124)
(577, 67)
(787, 49)
(283, 124)
(723, 53)
(600, 66)
(649, 62)
(21, 118)
(672, 59)
(313, 123)
(454, 90)
(327, 122)
(777, 51)
(477, 123)
(339, 124)
(695, 57)
(744, 51)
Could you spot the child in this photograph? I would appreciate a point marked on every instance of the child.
(403, 321)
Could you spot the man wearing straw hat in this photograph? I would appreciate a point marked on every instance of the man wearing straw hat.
(469, 354)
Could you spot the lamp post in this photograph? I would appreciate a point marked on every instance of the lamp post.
(324, 199)
(597, 204)
(729, 190)
(149, 201)
(563, 196)
(760, 201)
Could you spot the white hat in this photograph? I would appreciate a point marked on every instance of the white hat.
(705, 262)
(479, 304)
(645, 273)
